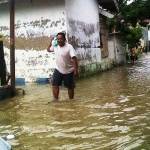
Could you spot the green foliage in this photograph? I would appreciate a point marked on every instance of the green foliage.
(131, 35)
(138, 10)
(128, 18)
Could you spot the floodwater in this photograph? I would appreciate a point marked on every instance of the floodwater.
(111, 111)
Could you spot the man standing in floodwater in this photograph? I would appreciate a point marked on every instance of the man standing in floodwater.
(66, 65)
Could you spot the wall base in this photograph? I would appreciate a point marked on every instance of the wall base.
(93, 68)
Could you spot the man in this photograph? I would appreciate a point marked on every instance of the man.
(133, 55)
(66, 65)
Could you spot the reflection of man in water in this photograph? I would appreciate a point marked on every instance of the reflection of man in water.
(66, 65)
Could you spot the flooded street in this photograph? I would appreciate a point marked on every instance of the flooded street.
(111, 111)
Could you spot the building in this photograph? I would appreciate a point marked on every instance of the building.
(84, 24)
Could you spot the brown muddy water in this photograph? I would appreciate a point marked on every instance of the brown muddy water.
(111, 111)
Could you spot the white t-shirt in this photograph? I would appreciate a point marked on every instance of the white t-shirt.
(64, 56)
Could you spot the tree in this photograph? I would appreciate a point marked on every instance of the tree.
(137, 11)
(131, 35)
(130, 19)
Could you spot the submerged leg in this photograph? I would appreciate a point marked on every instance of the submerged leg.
(55, 92)
(71, 93)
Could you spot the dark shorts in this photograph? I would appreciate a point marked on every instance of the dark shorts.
(133, 57)
(59, 78)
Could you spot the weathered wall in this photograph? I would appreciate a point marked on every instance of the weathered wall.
(83, 29)
(34, 19)
(116, 49)
(35, 22)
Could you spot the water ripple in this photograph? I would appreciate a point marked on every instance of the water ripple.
(129, 109)
(107, 105)
(74, 136)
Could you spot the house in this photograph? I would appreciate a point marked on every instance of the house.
(146, 35)
(84, 24)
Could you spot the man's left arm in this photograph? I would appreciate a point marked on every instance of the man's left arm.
(75, 65)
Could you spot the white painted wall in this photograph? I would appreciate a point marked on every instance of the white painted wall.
(120, 51)
(111, 48)
(116, 50)
(81, 10)
(79, 18)
(49, 17)
(31, 64)
(83, 28)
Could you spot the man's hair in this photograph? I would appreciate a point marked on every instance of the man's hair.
(63, 34)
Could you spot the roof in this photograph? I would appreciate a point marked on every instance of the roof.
(3, 1)
(110, 5)
(105, 13)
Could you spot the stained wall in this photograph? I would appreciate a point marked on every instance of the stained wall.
(36, 20)
(83, 29)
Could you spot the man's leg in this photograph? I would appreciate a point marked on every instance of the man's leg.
(71, 93)
(56, 82)
(55, 92)
(70, 84)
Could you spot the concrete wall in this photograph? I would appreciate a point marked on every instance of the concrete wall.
(83, 29)
(83, 33)
(37, 20)
(116, 49)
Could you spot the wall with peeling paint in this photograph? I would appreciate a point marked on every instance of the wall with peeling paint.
(83, 29)
(116, 49)
(36, 20)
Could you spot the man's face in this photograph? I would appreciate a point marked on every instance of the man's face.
(61, 40)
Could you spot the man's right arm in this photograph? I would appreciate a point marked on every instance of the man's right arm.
(50, 49)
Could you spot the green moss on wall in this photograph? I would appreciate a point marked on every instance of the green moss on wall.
(93, 68)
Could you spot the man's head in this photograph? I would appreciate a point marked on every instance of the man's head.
(61, 39)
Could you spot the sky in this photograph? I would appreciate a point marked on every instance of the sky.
(130, 1)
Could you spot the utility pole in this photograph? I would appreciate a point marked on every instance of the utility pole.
(12, 43)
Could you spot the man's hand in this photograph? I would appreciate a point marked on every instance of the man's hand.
(51, 39)
(75, 65)
(50, 43)
(76, 73)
